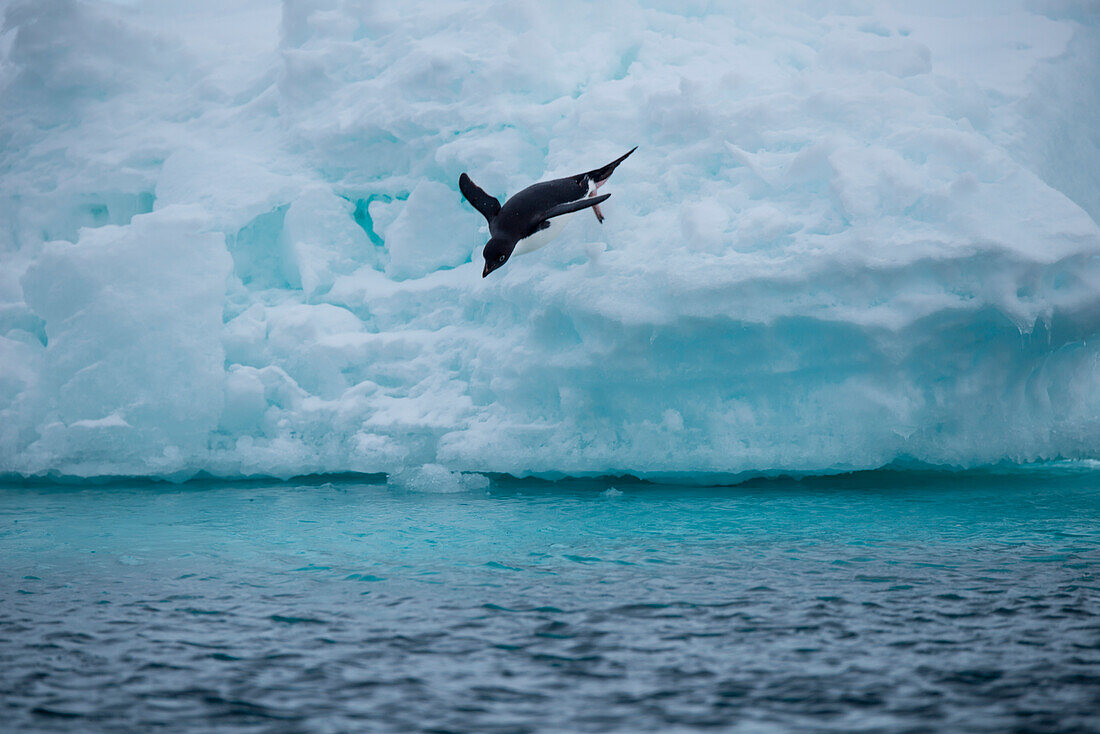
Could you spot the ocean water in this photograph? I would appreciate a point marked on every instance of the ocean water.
(884, 601)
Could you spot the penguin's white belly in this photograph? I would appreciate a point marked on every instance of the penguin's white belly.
(543, 236)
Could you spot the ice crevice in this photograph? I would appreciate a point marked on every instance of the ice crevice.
(847, 238)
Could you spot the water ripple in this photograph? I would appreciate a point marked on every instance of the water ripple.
(782, 625)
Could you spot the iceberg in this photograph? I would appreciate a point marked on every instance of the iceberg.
(856, 233)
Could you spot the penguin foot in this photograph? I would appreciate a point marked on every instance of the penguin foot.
(593, 189)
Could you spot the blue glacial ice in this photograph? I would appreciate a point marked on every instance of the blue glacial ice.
(231, 239)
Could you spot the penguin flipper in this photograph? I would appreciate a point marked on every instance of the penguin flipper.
(487, 205)
(575, 206)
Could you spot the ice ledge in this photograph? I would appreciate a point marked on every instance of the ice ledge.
(902, 472)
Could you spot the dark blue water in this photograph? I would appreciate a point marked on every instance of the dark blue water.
(879, 602)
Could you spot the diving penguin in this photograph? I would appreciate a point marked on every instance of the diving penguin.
(536, 215)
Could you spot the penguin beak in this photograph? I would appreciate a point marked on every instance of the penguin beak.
(486, 271)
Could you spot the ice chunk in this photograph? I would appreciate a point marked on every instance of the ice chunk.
(430, 233)
(436, 479)
(134, 362)
(320, 230)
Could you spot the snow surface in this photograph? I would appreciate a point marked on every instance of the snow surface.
(231, 239)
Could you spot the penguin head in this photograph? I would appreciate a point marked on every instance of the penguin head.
(497, 251)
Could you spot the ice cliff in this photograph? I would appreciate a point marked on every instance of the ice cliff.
(231, 238)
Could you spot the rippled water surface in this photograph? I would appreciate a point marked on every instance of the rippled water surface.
(880, 602)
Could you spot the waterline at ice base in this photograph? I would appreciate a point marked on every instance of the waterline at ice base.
(853, 234)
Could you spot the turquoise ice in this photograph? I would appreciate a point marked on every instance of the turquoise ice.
(231, 239)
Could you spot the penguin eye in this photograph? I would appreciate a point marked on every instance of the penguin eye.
(500, 259)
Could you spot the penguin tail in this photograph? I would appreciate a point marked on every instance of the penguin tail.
(600, 175)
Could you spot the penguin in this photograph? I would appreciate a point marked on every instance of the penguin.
(530, 219)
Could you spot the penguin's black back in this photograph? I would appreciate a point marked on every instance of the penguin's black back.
(522, 213)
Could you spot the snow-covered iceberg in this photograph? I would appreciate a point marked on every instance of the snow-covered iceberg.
(231, 238)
